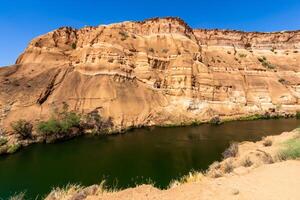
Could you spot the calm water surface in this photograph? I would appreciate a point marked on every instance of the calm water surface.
(159, 154)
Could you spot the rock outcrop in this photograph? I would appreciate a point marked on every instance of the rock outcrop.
(155, 72)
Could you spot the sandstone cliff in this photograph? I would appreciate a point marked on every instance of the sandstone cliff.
(158, 71)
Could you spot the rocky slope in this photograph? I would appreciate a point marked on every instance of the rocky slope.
(154, 72)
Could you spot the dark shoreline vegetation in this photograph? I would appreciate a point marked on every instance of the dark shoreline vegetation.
(65, 124)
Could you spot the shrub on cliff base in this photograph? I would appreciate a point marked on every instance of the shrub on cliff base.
(216, 120)
(13, 148)
(3, 141)
(22, 127)
(60, 125)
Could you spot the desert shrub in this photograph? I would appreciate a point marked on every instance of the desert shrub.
(281, 80)
(242, 55)
(165, 50)
(52, 126)
(267, 142)
(246, 162)
(232, 151)
(73, 45)
(214, 170)
(151, 50)
(13, 148)
(228, 52)
(124, 35)
(247, 45)
(228, 166)
(273, 49)
(95, 122)
(3, 141)
(295, 51)
(22, 127)
(291, 149)
(263, 60)
(216, 120)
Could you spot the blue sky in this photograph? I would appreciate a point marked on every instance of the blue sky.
(22, 20)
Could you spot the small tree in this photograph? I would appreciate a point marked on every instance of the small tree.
(22, 127)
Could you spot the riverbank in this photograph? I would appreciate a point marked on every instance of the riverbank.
(267, 169)
(12, 142)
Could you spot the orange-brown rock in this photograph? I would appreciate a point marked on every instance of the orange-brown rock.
(158, 71)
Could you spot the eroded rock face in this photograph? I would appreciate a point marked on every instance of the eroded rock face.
(158, 71)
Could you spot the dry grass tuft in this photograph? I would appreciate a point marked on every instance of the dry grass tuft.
(246, 162)
(19, 196)
(228, 166)
(267, 142)
(232, 151)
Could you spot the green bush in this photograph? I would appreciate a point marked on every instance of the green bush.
(3, 141)
(22, 127)
(61, 125)
(291, 149)
(73, 45)
(263, 60)
(13, 148)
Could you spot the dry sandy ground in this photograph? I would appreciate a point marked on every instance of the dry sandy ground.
(269, 182)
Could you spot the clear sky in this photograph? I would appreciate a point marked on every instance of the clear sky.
(22, 20)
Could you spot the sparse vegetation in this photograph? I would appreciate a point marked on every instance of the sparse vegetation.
(247, 162)
(61, 123)
(3, 141)
(232, 151)
(73, 189)
(151, 50)
(228, 167)
(242, 55)
(282, 81)
(298, 114)
(216, 120)
(263, 60)
(19, 196)
(291, 149)
(228, 52)
(267, 142)
(22, 128)
(94, 122)
(247, 45)
(13, 148)
(124, 35)
(165, 50)
(295, 51)
(273, 49)
(192, 177)
(73, 45)
(258, 116)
